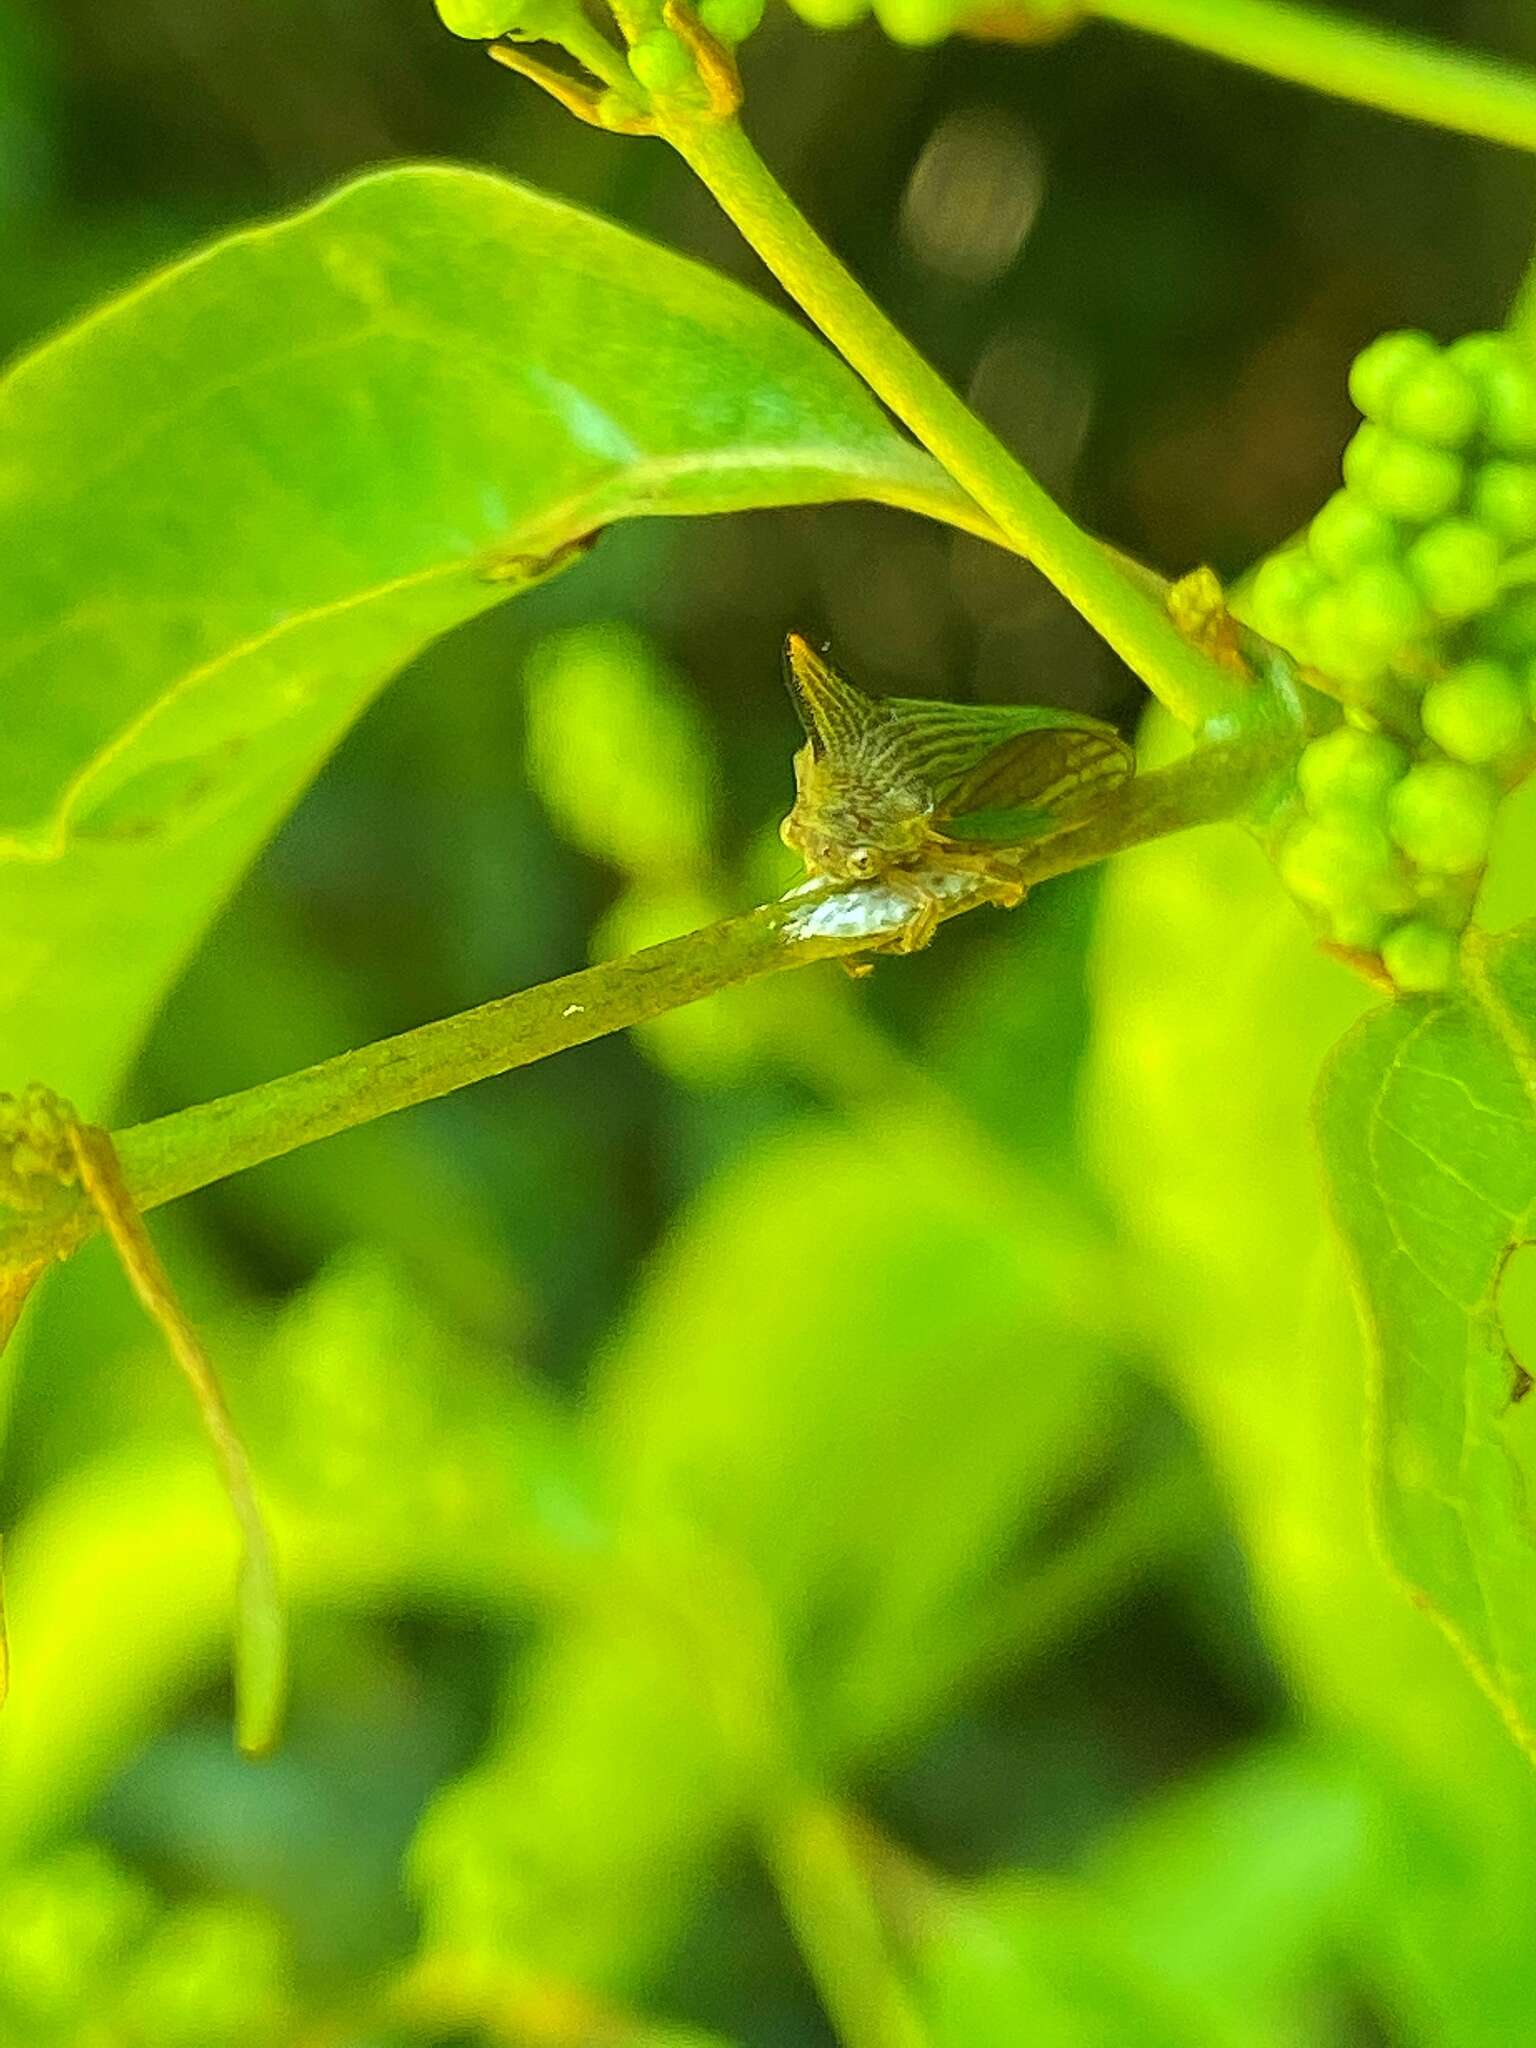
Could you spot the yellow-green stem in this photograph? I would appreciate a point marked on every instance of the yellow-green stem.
(1196, 690)
(827, 1899)
(179, 1153)
(1354, 60)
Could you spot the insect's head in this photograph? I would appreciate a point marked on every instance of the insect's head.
(853, 816)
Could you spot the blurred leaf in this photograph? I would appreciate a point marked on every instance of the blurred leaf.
(509, 2007)
(1027, 1960)
(580, 1847)
(911, 1960)
(212, 1975)
(1212, 1014)
(88, 1954)
(66, 1922)
(408, 1471)
(300, 452)
(1232, 1888)
(618, 752)
(402, 1439)
(848, 1392)
(860, 1373)
(1427, 1115)
(1019, 1006)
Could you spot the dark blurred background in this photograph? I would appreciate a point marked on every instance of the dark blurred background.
(1149, 273)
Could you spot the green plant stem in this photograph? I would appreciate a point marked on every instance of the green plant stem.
(1198, 692)
(827, 1899)
(177, 1154)
(1353, 60)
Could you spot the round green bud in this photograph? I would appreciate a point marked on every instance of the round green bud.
(1335, 860)
(917, 23)
(1402, 479)
(1475, 355)
(1284, 586)
(662, 62)
(1421, 958)
(480, 20)
(1334, 646)
(1441, 814)
(1362, 451)
(1435, 402)
(1381, 609)
(1358, 927)
(1509, 403)
(1349, 770)
(731, 21)
(831, 14)
(1528, 679)
(1504, 499)
(1383, 364)
(1348, 531)
(1456, 567)
(1475, 713)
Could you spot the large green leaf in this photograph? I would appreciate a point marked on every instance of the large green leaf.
(235, 501)
(1427, 1115)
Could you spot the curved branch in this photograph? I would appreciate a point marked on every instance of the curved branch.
(177, 1154)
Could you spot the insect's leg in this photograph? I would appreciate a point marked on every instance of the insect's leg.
(924, 921)
(997, 880)
(1005, 889)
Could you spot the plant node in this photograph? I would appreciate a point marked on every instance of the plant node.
(715, 64)
(600, 106)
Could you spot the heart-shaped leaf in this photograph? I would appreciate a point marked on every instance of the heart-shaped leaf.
(1427, 1114)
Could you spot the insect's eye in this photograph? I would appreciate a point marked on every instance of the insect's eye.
(861, 861)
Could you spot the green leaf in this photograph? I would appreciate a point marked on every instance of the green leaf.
(1427, 1114)
(618, 754)
(235, 501)
(1026, 1959)
(1246, 1935)
(748, 1369)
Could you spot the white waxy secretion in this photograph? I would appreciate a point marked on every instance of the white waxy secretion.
(871, 910)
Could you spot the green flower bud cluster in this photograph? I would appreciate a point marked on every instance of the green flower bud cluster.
(1402, 593)
(922, 22)
(1389, 849)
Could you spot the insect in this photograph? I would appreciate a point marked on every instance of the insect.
(914, 792)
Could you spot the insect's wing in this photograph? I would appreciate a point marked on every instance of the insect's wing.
(838, 718)
(1004, 774)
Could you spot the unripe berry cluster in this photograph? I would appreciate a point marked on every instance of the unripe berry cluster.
(1405, 594)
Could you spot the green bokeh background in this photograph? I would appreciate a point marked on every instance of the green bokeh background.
(948, 1373)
